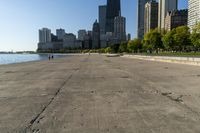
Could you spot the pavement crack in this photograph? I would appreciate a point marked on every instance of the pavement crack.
(166, 93)
(174, 98)
(29, 128)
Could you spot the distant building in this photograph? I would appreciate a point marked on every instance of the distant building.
(104, 40)
(45, 41)
(120, 28)
(193, 13)
(55, 43)
(81, 34)
(69, 41)
(140, 27)
(113, 10)
(45, 46)
(107, 39)
(164, 7)
(176, 18)
(150, 16)
(96, 35)
(60, 34)
(44, 35)
(102, 19)
(128, 37)
(89, 33)
(56, 46)
(50, 42)
(54, 38)
(87, 43)
(78, 44)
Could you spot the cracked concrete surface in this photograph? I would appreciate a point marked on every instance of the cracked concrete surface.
(97, 94)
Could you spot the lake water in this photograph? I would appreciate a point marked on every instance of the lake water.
(18, 58)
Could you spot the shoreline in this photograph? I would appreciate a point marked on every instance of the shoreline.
(187, 60)
(36, 60)
(55, 54)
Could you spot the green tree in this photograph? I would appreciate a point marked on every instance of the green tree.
(153, 41)
(123, 47)
(115, 48)
(147, 42)
(195, 37)
(108, 50)
(182, 37)
(168, 40)
(134, 45)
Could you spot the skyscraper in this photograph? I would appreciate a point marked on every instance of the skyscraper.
(81, 34)
(193, 13)
(60, 34)
(113, 10)
(151, 16)
(120, 28)
(45, 40)
(164, 7)
(96, 35)
(44, 35)
(69, 40)
(141, 9)
(87, 43)
(176, 18)
(102, 19)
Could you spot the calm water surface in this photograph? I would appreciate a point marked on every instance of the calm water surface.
(18, 58)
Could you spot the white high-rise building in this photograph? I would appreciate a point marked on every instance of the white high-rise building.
(141, 10)
(164, 7)
(81, 34)
(193, 13)
(60, 34)
(150, 16)
(44, 35)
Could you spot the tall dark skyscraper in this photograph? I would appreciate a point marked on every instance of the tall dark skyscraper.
(102, 19)
(113, 10)
(96, 35)
(141, 9)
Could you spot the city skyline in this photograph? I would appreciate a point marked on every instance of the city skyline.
(21, 20)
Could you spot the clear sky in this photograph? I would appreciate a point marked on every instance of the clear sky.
(21, 19)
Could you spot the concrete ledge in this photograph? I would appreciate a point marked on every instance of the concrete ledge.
(178, 60)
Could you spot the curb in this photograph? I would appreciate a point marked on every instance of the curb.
(167, 59)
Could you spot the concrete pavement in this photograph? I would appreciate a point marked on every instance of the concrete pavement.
(98, 94)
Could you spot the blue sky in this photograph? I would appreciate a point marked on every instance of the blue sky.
(21, 19)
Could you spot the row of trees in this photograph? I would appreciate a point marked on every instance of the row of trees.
(179, 39)
(131, 46)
